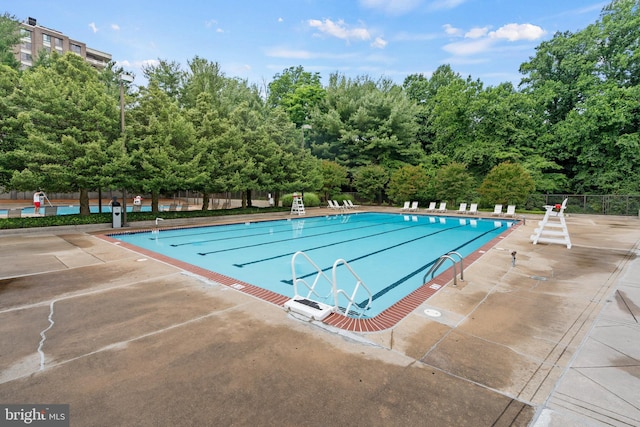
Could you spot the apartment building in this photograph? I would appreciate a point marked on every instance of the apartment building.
(35, 38)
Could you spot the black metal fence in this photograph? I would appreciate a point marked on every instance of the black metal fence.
(608, 204)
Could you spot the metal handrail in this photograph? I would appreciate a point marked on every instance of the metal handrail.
(351, 298)
(310, 288)
(439, 263)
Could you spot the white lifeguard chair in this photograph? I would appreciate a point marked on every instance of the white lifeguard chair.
(297, 206)
(553, 227)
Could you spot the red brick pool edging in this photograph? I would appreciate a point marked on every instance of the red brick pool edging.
(385, 320)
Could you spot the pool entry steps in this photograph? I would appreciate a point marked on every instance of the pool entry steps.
(323, 297)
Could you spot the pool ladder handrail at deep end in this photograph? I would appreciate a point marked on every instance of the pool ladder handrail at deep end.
(440, 261)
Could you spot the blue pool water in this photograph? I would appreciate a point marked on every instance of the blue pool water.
(390, 252)
(73, 209)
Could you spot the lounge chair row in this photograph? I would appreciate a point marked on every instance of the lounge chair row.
(511, 211)
(442, 208)
(473, 208)
(348, 204)
(410, 207)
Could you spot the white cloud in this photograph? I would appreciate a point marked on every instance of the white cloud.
(280, 19)
(515, 32)
(379, 43)
(405, 36)
(451, 30)
(445, 4)
(393, 7)
(339, 29)
(115, 27)
(476, 33)
(93, 27)
(283, 52)
(147, 63)
(465, 48)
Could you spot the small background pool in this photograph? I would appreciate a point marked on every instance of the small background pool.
(390, 252)
(73, 209)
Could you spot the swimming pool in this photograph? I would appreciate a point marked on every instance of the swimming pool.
(75, 209)
(391, 253)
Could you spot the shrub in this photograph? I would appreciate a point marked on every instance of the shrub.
(370, 182)
(453, 183)
(507, 183)
(408, 183)
(310, 200)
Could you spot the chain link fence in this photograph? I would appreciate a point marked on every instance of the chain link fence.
(608, 204)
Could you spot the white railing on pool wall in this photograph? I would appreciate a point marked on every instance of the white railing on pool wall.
(314, 303)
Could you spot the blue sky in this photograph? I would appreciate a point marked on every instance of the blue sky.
(256, 39)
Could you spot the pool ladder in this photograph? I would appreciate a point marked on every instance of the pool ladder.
(441, 260)
(312, 290)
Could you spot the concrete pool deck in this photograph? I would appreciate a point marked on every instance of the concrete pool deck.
(551, 341)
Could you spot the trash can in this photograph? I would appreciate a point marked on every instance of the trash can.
(116, 214)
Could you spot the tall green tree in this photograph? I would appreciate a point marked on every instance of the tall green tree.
(10, 136)
(162, 146)
(9, 39)
(362, 122)
(168, 76)
(587, 82)
(70, 122)
(297, 91)
(334, 176)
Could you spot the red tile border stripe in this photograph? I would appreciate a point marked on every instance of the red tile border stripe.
(385, 320)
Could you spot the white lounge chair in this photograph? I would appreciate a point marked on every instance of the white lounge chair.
(497, 210)
(432, 207)
(463, 208)
(414, 207)
(473, 209)
(331, 205)
(338, 205)
(442, 208)
(350, 204)
(511, 211)
(406, 206)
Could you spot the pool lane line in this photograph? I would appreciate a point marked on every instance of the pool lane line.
(288, 230)
(328, 245)
(236, 227)
(303, 237)
(290, 282)
(419, 270)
